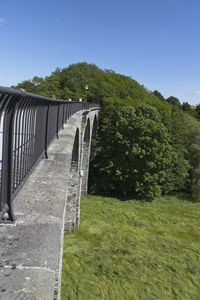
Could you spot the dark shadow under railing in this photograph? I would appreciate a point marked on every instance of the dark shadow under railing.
(28, 124)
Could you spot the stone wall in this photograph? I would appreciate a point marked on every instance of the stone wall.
(49, 202)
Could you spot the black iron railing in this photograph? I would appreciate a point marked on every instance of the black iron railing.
(28, 124)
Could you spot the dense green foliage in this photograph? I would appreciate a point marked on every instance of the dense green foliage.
(147, 145)
(133, 250)
(136, 156)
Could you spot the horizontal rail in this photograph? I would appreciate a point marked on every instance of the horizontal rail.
(28, 124)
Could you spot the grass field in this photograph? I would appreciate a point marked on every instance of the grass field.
(133, 250)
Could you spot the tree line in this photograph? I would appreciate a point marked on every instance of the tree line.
(147, 145)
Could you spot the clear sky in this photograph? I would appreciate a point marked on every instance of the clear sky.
(157, 42)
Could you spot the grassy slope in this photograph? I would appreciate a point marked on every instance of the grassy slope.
(133, 250)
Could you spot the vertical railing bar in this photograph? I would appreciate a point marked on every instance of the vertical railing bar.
(28, 165)
(26, 156)
(63, 116)
(17, 142)
(24, 144)
(23, 140)
(68, 106)
(29, 139)
(34, 115)
(15, 146)
(47, 131)
(18, 132)
(57, 128)
(37, 133)
(32, 144)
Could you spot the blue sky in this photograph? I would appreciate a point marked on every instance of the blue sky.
(157, 42)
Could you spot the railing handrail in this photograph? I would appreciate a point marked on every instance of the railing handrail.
(23, 93)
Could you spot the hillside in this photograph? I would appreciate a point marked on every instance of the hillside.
(103, 85)
(133, 250)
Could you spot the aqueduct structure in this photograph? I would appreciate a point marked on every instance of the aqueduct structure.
(45, 153)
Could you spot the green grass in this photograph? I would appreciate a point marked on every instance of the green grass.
(133, 250)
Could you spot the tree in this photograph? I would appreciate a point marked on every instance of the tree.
(193, 155)
(197, 109)
(159, 95)
(174, 101)
(186, 107)
(134, 154)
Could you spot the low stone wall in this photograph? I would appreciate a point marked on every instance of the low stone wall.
(31, 249)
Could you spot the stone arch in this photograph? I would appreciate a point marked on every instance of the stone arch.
(73, 187)
(75, 151)
(85, 158)
(94, 135)
(86, 137)
(94, 126)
